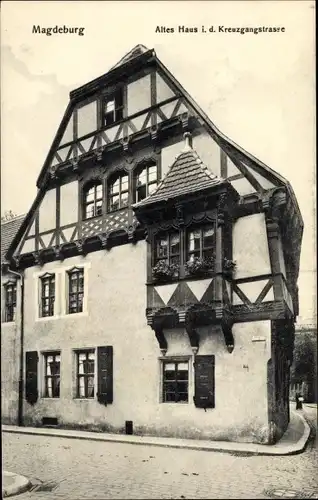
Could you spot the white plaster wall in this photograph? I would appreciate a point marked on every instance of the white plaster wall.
(250, 246)
(69, 203)
(47, 211)
(138, 95)
(208, 150)
(115, 315)
(164, 92)
(169, 154)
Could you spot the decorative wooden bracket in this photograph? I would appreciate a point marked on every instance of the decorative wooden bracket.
(184, 121)
(58, 253)
(37, 258)
(99, 155)
(125, 143)
(154, 132)
(80, 247)
(104, 239)
(226, 323)
(74, 164)
(53, 173)
(180, 215)
(193, 334)
(131, 232)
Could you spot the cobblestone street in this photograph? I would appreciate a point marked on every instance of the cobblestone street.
(77, 469)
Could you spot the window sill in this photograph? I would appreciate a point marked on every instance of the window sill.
(74, 315)
(171, 403)
(8, 323)
(46, 318)
(117, 210)
(50, 399)
(190, 277)
(84, 399)
(92, 218)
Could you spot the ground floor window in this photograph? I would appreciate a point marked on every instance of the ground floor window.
(175, 381)
(85, 374)
(52, 363)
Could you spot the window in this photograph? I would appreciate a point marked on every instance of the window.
(75, 290)
(113, 107)
(52, 362)
(10, 290)
(168, 248)
(47, 295)
(118, 192)
(85, 374)
(146, 181)
(93, 200)
(201, 243)
(175, 381)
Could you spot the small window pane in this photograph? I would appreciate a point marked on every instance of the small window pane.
(152, 187)
(115, 186)
(110, 106)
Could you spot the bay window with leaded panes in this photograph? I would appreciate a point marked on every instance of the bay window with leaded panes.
(47, 295)
(52, 364)
(75, 290)
(200, 242)
(118, 192)
(85, 374)
(168, 248)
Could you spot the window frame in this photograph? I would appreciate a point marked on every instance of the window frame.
(80, 272)
(93, 184)
(111, 181)
(202, 248)
(10, 290)
(46, 355)
(175, 360)
(145, 166)
(48, 277)
(117, 96)
(170, 255)
(86, 375)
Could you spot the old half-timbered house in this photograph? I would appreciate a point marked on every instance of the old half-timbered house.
(160, 264)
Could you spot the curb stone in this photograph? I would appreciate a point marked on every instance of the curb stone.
(280, 448)
(20, 484)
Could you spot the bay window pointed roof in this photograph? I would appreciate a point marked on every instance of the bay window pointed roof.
(188, 174)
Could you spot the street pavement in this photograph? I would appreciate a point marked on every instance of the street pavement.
(75, 469)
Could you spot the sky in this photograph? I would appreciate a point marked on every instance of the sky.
(258, 89)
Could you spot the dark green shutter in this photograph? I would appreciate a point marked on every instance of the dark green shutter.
(204, 382)
(105, 374)
(31, 377)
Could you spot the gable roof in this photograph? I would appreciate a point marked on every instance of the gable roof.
(9, 229)
(186, 175)
(135, 60)
(135, 52)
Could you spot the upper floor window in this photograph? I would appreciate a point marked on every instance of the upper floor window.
(201, 243)
(75, 290)
(47, 295)
(113, 107)
(10, 301)
(52, 362)
(146, 181)
(168, 248)
(93, 200)
(118, 192)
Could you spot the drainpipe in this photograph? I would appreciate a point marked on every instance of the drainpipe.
(21, 370)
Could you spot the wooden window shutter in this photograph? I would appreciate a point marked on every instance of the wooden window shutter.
(204, 396)
(31, 377)
(105, 374)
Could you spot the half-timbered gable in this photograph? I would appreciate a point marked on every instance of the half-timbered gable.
(157, 245)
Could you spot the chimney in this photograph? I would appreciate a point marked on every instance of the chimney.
(187, 141)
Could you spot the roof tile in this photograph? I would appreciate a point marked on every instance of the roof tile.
(187, 174)
(8, 231)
